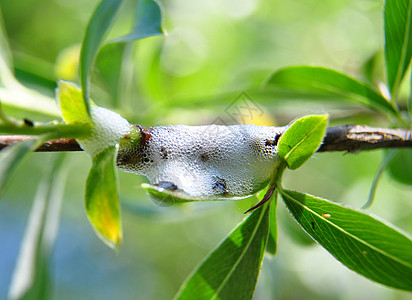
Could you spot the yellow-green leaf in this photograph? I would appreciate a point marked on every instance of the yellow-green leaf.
(72, 106)
(102, 199)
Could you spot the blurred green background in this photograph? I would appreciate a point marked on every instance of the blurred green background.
(214, 51)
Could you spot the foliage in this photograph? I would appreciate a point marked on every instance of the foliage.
(373, 248)
(302, 139)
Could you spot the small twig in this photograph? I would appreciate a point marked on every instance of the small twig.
(350, 138)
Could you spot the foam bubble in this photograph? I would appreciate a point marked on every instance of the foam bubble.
(109, 127)
(206, 161)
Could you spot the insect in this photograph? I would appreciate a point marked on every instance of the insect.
(204, 162)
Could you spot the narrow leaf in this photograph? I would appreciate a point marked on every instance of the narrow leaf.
(373, 69)
(302, 139)
(389, 156)
(110, 61)
(102, 199)
(110, 68)
(10, 159)
(398, 40)
(273, 233)
(96, 31)
(31, 278)
(166, 196)
(293, 230)
(362, 243)
(317, 79)
(148, 22)
(171, 196)
(232, 269)
(7, 78)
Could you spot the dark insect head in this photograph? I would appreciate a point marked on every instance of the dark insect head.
(167, 185)
(220, 186)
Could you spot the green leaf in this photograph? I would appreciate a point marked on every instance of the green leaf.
(293, 230)
(273, 233)
(365, 245)
(166, 196)
(71, 103)
(302, 139)
(96, 31)
(31, 278)
(400, 166)
(102, 199)
(148, 22)
(317, 79)
(388, 158)
(178, 196)
(373, 69)
(6, 65)
(398, 41)
(11, 157)
(232, 269)
(110, 69)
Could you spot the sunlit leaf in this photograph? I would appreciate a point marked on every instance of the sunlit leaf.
(96, 31)
(31, 278)
(317, 79)
(148, 22)
(11, 157)
(398, 40)
(364, 244)
(102, 199)
(302, 139)
(72, 106)
(400, 166)
(232, 269)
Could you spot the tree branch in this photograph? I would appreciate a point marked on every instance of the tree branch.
(350, 138)
(353, 138)
(50, 146)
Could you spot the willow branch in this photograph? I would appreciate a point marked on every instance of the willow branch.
(354, 138)
(350, 138)
(50, 146)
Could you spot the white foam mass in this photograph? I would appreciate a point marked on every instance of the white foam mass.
(206, 161)
(109, 127)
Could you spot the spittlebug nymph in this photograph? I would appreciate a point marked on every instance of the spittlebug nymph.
(211, 161)
(166, 185)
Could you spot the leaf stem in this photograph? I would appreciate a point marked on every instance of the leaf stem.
(377, 178)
